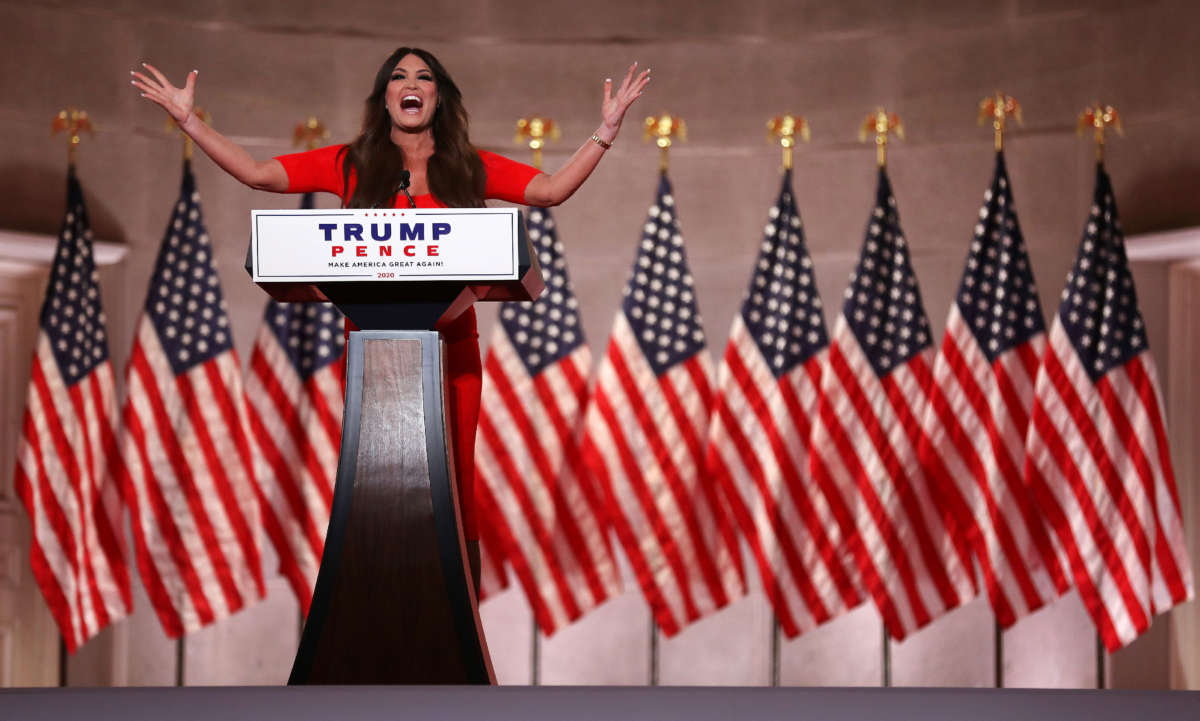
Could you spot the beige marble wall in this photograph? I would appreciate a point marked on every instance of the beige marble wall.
(725, 67)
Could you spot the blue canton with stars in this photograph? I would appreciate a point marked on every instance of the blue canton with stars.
(185, 302)
(660, 298)
(546, 330)
(782, 310)
(72, 317)
(997, 297)
(883, 304)
(310, 333)
(1099, 308)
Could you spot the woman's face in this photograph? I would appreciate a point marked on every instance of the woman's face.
(412, 94)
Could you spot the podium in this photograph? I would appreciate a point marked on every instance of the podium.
(394, 602)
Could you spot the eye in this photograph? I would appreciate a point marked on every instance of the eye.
(397, 76)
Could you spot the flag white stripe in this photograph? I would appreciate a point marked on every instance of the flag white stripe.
(164, 477)
(642, 529)
(776, 494)
(71, 494)
(44, 534)
(685, 465)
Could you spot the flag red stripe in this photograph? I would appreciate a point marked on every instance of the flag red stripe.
(85, 492)
(111, 544)
(1144, 386)
(513, 551)
(56, 599)
(294, 426)
(663, 615)
(662, 456)
(51, 505)
(772, 584)
(1099, 454)
(160, 598)
(797, 486)
(1056, 374)
(1008, 474)
(908, 497)
(521, 493)
(165, 435)
(887, 531)
(1145, 389)
(574, 460)
(695, 446)
(221, 565)
(1047, 434)
(1137, 457)
(1025, 503)
(226, 398)
(791, 479)
(569, 524)
(285, 480)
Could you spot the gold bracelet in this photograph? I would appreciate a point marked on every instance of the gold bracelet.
(602, 143)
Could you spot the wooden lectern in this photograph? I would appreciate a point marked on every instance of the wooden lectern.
(394, 602)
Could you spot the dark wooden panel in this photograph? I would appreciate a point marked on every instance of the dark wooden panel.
(392, 603)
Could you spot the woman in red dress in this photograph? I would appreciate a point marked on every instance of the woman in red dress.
(414, 120)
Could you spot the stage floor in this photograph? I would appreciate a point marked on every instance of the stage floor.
(512, 703)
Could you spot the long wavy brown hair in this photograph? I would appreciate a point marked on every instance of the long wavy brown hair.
(455, 173)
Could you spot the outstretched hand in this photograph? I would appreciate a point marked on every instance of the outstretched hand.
(178, 102)
(614, 106)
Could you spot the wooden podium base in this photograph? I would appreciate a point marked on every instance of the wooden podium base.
(394, 602)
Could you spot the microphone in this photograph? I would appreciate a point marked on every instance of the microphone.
(402, 186)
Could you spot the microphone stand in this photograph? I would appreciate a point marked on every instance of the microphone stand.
(402, 186)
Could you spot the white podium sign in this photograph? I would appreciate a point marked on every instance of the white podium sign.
(445, 244)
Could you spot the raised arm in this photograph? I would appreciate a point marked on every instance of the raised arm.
(233, 158)
(545, 190)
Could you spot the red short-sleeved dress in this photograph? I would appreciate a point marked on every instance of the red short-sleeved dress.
(320, 171)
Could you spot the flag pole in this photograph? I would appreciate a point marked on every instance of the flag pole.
(535, 131)
(880, 124)
(663, 129)
(999, 108)
(785, 128)
(73, 122)
(172, 128)
(1099, 118)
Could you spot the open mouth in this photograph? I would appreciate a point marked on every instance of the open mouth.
(410, 103)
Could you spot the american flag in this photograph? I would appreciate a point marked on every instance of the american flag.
(758, 448)
(187, 468)
(866, 435)
(295, 391)
(974, 442)
(645, 435)
(1097, 456)
(67, 441)
(549, 524)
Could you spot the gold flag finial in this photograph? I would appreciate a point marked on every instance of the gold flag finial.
(534, 131)
(880, 123)
(173, 127)
(73, 122)
(310, 133)
(1099, 118)
(786, 127)
(999, 108)
(663, 129)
